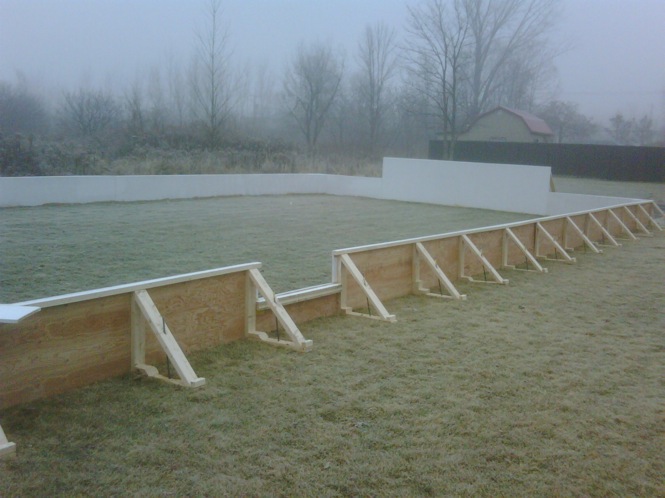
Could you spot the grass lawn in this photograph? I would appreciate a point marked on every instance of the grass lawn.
(553, 385)
(52, 250)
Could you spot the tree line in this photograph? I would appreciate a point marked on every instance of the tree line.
(452, 60)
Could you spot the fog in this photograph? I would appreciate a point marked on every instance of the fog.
(612, 58)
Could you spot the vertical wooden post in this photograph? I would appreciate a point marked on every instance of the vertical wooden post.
(250, 305)
(138, 335)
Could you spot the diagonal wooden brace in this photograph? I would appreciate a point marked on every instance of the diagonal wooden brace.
(657, 208)
(652, 221)
(371, 296)
(604, 230)
(508, 236)
(623, 226)
(421, 252)
(639, 224)
(587, 241)
(565, 257)
(143, 307)
(465, 241)
(296, 341)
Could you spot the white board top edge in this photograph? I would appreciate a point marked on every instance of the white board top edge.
(146, 284)
(426, 238)
(14, 313)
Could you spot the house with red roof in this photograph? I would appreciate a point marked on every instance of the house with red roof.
(503, 124)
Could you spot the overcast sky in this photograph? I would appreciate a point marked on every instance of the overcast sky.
(616, 61)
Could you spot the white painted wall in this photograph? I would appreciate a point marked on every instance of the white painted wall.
(501, 187)
(39, 190)
(563, 203)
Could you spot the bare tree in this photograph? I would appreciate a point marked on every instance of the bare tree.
(568, 124)
(21, 111)
(435, 57)
(210, 81)
(311, 85)
(263, 101)
(377, 54)
(177, 92)
(157, 110)
(89, 112)
(500, 33)
(621, 129)
(135, 108)
(644, 130)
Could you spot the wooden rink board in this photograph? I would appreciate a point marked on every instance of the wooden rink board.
(388, 268)
(73, 343)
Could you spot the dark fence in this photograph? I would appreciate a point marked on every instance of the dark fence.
(609, 162)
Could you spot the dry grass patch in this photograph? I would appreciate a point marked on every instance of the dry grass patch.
(552, 385)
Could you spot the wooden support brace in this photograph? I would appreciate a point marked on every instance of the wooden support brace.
(143, 307)
(652, 221)
(255, 283)
(421, 252)
(606, 233)
(639, 224)
(566, 258)
(465, 241)
(657, 208)
(7, 449)
(587, 241)
(623, 226)
(509, 235)
(372, 298)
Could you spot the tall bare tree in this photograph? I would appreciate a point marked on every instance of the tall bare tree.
(377, 54)
(311, 85)
(210, 78)
(435, 56)
(501, 34)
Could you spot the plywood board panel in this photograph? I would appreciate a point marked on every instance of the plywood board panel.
(72, 345)
(490, 245)
(389, 271)
(526, 235)
(64, 347)
(446, 253)
(204, 313)
(301, 312)
(555, 228)
(592, 230)
(574, 240)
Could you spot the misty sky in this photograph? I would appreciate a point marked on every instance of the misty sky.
(616, 59)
